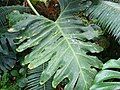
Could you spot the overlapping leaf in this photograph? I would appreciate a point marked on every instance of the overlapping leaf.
(108, 15)
(109, 77)
(63, 44)
(7, 53)
(33, 77)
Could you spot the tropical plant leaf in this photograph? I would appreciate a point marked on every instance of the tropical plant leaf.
(107, 13)
(109, 77)
(64, 44)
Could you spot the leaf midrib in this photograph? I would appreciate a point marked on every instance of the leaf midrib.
(77, 60)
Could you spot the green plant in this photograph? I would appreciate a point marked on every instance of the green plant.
(7, 52)
(109, 77)
(63, 44)
(33, 77)
(5, 83)
(107, 13)
(64, 51)
(7, 45)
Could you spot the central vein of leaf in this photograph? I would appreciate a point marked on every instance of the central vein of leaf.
(77, 60)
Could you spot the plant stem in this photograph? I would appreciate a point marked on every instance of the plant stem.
(31, 6)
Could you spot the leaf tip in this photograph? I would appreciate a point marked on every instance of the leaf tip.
(31, 66)
(11, 30)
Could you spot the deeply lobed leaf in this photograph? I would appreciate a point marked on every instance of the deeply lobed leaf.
(64, 44)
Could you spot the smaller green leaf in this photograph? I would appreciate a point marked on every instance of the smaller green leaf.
(112, 64)
(108, 79)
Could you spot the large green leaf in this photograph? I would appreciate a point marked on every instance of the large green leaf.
(108, 15)
(64, 44)
(109, 77)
